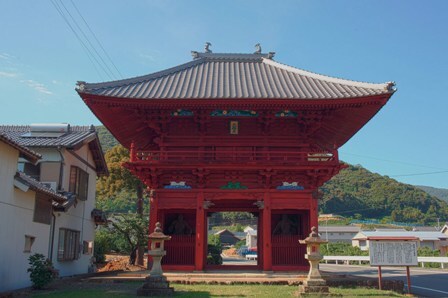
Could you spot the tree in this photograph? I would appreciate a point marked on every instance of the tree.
(120, 181)
(130, 231)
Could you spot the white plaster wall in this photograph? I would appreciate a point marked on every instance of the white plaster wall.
(8, 168)
(16, 221)
(77, 218)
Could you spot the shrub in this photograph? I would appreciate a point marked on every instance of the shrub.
(41, 271)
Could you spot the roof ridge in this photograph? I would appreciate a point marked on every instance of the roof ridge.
(81, 85)
(388, 86)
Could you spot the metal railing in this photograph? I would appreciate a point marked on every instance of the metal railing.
(233, 156)
(422, 260)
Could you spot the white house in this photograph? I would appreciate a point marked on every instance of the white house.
(251, 238)
(445, 229)
(338, 233)
(50, 202)
(432, 239)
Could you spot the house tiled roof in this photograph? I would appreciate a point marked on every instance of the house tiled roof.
(339, 229)
(227, 76)
(24, 151)
(40, 187)
(75, 137)
(422, 235)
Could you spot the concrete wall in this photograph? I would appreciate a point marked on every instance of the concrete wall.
(16, 221)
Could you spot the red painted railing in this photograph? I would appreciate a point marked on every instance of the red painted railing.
(179, 250)
(286, 251)
(233, 156)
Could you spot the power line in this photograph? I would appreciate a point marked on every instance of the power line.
(106, 67)
(419, 174)
(86, 49)
(95, 56)
(97, 40)
(394, 161)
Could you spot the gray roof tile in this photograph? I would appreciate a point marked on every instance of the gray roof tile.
(24, 151)
(39, 187)
(76, 136)
(234, 76)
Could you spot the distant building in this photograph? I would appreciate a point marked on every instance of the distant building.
(251, 238)
(248, 228)
(445, 229)
(432, 239)
(426, 229)
(227, 238)
(48, 202)
(338, 233)
(330, 216)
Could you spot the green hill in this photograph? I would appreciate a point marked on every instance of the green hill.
(355, 191)
(441, 193)
(107, 140)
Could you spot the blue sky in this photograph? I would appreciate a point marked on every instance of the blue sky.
(373, 41)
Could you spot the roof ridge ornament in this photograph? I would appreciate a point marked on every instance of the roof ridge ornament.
(391, 86)
(207, 47)
(257, 49)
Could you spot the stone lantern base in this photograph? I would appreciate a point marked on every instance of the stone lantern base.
(155, 286)
(313, 288)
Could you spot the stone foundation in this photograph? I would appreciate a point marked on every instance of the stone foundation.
(155, 286)
(317, 287)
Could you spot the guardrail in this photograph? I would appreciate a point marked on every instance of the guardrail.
(443, 261)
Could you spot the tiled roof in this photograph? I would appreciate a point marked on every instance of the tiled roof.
(39, 187)
(76, 136)
(24, 151)
(422, 235)
(339, 229)
(226, 76)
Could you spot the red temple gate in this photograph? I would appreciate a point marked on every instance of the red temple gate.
(234, 132)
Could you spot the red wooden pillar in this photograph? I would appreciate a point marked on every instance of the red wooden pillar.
(201, 241)
(132, 153)
(267, 248)
(314, 221)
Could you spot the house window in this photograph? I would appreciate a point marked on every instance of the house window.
(29, 240)
(31, 170)
(87, 247)
(68, 245)
(42, 209)
(79, 181)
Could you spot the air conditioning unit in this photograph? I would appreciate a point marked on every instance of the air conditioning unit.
(53, 185)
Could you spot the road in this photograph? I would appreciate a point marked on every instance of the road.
(424, 282)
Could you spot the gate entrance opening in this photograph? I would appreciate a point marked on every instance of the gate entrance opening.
(232, 240)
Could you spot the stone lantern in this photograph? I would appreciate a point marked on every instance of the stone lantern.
(314, 282)
(155, 283)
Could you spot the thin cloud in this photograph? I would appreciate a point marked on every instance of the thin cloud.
(149, 57)
(6, 56)
(37, 86)
(8, 74)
